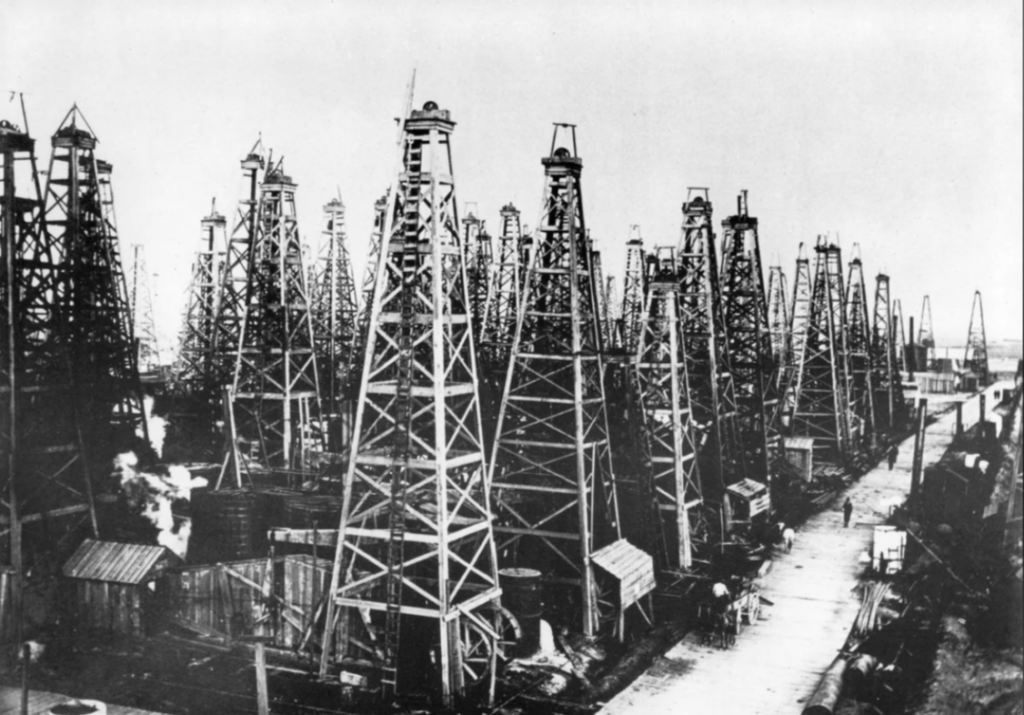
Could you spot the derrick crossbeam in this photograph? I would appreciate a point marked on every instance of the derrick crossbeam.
(415, 563)
(551, 474)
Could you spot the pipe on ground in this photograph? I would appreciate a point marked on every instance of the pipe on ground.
(824, 698)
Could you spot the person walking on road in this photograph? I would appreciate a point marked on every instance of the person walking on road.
(787, 536)
(847, 512)
(893, 452)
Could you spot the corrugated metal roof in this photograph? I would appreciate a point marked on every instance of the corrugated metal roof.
(798, 442)
(746, 488)
(113, 562)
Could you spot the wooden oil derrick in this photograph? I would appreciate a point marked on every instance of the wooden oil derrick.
(706, 350)
(822, 394)
(602, 303)
(633, 291)
(275, 394)
(900, 335)
(415, 568)
(858, 350)
(976, 352)
(664, 386)
(333, 309)
(194, 370)
(779, 322)
(93, 295)
(925, 336)
(140, 304)
(366, 290)
(613, 315)
(231, 302)
(552, 478)
(503, 303)
(886, 382)
(480, 273)
(43, 472)
(749, 339)
(800, 311)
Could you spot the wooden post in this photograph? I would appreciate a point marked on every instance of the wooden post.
(919, 434)
(981, 408)
(262, 701)
(26, 655)
(959, 420)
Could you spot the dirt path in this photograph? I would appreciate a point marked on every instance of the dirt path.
(776, 664)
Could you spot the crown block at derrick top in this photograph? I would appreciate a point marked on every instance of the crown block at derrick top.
(431, 114)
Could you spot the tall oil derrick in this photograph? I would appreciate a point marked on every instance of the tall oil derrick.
(40, 444)
(231, 303)
(886, 381)
(749, 339)
(194, 373)
(415, 547)
(664, 386)
(333, 308)
(602, 303)
(799, 314)
(140, 302)
(503, 305)
(858, 349)
(613, 315)
(480, 272)
(380, 207)
(976, 352)
(275, 392)
(712, 392)
(93, 293)
(551, 474)
(633, 291)
(779, 322)
(899, 335)
(822, 387)
(925, 336)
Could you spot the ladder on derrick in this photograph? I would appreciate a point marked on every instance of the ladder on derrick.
(403, 441)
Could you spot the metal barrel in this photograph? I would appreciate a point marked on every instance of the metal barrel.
(521, 594)
(226, 526)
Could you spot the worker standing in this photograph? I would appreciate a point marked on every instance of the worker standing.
(847, 512)
(893, 452)
(788, 536)
(721, 595)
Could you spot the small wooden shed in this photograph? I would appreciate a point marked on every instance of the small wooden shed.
(800, 453)
(748, 499)
(116, 585)
(634, 570)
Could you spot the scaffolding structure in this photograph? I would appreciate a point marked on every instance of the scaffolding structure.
(664, 387)
(900, 335)
(822, 395)
(551, 474)
(976, 350)
(480, 273)
(334, 309)
(925, 335)
(722, 460)
(858, 349)
(415, 566)
(275, 395)
(749, 339)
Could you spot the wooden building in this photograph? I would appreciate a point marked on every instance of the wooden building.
(118, 587)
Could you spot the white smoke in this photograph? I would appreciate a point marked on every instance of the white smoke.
(153, 494)
(155, 425)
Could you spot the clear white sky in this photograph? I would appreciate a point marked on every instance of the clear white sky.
(897, 125)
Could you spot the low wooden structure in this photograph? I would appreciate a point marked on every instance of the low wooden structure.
(118, 586)
(634, 570)
(748, 499)
(800, 453)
